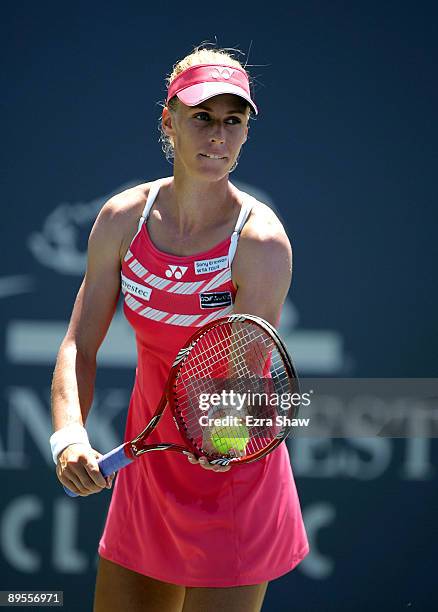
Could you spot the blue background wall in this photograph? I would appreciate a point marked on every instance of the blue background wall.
(344, 148)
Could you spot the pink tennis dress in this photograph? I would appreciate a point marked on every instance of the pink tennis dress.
(168, 519)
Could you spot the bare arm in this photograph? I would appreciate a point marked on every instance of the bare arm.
(262, 269)
(73, 379)
(74, 375)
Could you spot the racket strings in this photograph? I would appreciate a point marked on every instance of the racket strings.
(226, 351)
(237, 358)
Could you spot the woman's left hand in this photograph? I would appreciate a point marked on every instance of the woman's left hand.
(204, 463)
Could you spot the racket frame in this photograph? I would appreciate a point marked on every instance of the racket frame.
(136, 447)
(127, 452)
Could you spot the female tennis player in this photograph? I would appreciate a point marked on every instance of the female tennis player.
(181, 534)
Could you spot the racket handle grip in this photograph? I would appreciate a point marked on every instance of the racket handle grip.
(109, 463)
(69, 493)
(114, 461)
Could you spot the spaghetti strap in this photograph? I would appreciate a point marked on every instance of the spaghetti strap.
(247, 204)
(153, 192)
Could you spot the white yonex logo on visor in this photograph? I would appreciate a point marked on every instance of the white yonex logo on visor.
(222, 73)
(176, 271)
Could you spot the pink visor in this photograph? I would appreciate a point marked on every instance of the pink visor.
(199, 83)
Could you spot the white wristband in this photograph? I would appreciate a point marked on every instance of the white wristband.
(70, 434)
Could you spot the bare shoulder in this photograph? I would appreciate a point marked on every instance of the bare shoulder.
(118, 218)
(120, 208)
(263, 236)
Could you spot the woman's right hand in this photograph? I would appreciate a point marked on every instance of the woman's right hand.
(78, 470)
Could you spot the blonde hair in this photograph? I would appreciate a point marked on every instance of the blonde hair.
(199, 55)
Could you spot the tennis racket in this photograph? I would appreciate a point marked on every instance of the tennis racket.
(224, 390)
